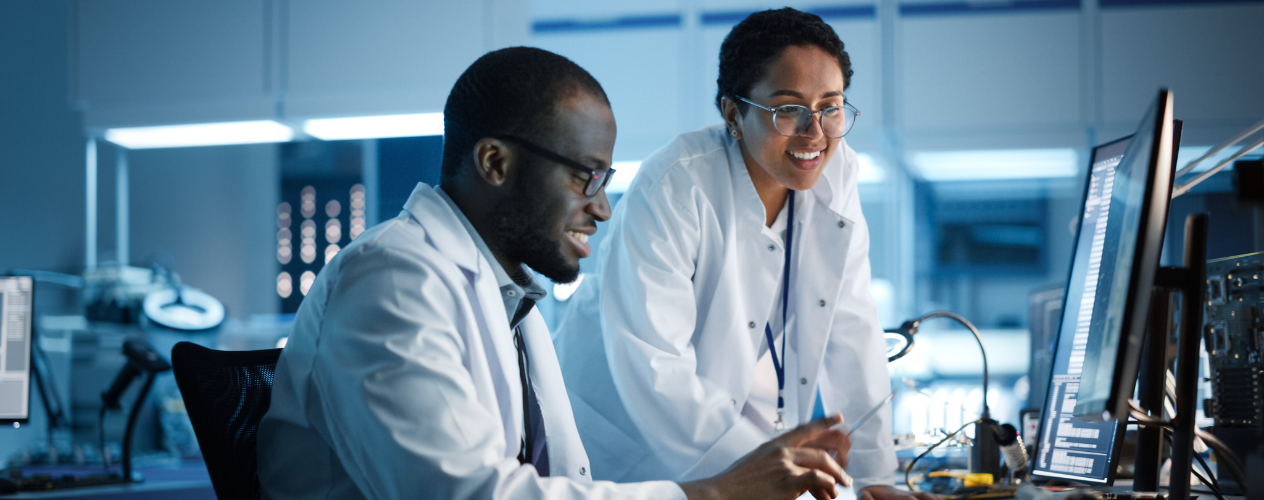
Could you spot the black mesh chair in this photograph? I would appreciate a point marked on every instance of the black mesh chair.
(226, 394)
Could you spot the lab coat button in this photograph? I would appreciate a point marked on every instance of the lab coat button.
(803, 381)
(842, 224)
(734, 402)
(583, 471)
(512, 293)
(772, 248)
(751, 324)
(822, 302)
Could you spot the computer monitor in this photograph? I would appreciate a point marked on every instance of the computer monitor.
(16, 295)
(1120, 277)
(1115, 258)
(1069, 448)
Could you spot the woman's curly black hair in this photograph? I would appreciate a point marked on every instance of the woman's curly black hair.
(761, 37)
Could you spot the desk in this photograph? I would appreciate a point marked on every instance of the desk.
(188, 480)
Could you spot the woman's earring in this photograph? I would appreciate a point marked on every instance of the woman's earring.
(733, 133)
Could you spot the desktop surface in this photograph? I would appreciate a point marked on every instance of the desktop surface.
(187, 480)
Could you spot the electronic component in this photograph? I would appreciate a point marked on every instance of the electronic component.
(1234, 335)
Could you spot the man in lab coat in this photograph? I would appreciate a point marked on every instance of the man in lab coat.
(418, 366)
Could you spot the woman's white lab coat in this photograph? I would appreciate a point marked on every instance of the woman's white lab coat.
(658, 346)
(400, 379)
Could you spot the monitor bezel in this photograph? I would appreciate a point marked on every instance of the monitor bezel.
(30, 360)
(1118, 444)
(1145, 265)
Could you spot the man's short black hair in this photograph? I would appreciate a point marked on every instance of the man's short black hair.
(760, 38)
(508, 91)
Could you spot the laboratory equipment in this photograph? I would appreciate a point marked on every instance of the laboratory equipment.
(141, 360)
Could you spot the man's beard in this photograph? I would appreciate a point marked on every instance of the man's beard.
(522, 225)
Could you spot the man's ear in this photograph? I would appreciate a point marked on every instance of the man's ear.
(494, 161)
(732, 117)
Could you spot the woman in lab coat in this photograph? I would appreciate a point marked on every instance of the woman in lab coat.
(690, 282)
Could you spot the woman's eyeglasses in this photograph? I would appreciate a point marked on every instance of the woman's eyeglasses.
(793, 120)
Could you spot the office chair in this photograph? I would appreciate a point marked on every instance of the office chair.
(226, 393)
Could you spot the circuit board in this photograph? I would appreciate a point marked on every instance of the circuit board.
(1233, 333)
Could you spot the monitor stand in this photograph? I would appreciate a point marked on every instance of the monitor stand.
(1190, 280)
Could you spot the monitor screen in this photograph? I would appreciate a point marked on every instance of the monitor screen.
(1108, 310)
(1070, 448)
(16, 294)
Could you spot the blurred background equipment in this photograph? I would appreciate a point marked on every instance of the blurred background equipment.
(141, 360)
(181, 307)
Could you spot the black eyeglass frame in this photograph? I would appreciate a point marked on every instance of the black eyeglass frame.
(845, 107)
(597, 179)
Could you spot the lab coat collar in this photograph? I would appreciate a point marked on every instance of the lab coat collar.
(443, 223)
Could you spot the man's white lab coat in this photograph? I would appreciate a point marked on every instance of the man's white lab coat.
(400, 379)
(659, 345)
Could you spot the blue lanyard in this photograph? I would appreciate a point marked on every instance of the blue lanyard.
(780, 364)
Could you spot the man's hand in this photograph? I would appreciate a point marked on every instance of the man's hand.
(878, 492)
(784, 468)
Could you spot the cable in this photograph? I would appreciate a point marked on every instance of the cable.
(907, 470)
(1225, 455)
(1214, 490)
(1214, 483)
(1208, 469)
(105, 457)
(912, 327)
(1231, 461)
(1145, 418)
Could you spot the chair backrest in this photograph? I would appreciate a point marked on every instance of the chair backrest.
(226, 394)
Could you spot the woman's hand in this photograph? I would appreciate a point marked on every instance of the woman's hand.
(783, 468)
(835, 442)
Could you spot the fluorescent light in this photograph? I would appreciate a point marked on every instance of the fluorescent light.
(995, 164)
(200, 134)
(624, 172)
(870, 172)
(375, 127)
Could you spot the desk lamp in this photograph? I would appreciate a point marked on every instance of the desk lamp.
(985, 453)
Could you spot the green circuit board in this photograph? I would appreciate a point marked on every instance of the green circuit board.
(1233, 332)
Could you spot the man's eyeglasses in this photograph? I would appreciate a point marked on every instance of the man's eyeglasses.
(793, 120)
(597, 179)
